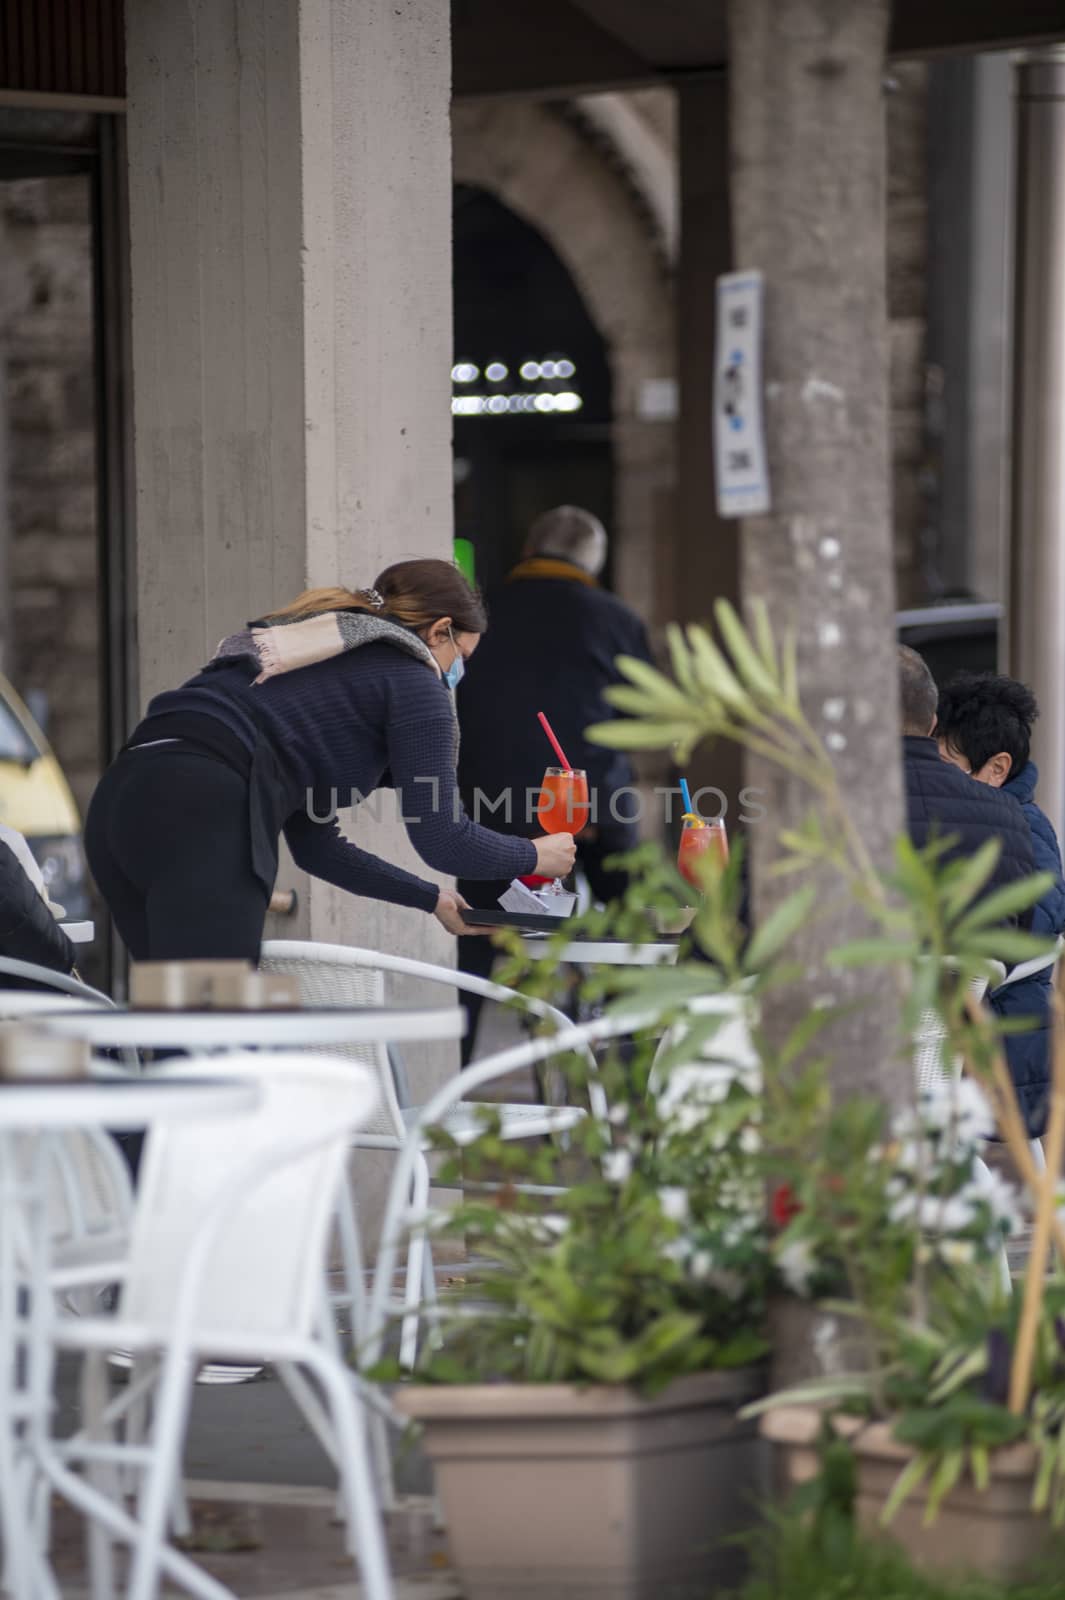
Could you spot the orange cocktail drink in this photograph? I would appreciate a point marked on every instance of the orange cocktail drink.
(699, 840)
(563, 803)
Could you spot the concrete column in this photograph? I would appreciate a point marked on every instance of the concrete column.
(290, 194)
(970, 154)
(1037, 595)
(706, 546)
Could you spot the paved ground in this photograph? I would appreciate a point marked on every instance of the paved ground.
(263, 1507)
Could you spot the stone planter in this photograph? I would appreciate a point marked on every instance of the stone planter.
(593, 1494)
(995, 1533)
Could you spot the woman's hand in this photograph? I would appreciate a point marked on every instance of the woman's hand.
(449, 908)
(555, 855)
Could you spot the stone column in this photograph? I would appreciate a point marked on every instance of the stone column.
(1037, 589)
(290, 194)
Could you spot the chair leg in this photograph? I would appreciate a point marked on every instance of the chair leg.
(430, 1298)
(105, 1478)
(171, 1415)
(416, 1253)
(353, 1263)
(363, 1515)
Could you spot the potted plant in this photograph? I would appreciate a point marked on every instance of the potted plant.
(939, 1373)
(581, 1410)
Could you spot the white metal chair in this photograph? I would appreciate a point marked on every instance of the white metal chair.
(28, 972)
(334, 975)
(226, 1260)
(728, 1054)
(405, 1214)
(928, 1064)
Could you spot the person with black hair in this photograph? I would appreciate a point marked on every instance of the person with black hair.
(985, 728)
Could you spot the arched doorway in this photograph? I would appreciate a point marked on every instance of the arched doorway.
(531, 385)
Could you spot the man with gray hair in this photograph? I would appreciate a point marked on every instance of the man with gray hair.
(570, 535)
(944, 802)
(552, 643)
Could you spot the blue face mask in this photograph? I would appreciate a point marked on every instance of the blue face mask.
(453, 675)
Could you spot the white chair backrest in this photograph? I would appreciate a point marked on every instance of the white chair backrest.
(327, 977)
(1028, 969)
(929, 1041)
(28, 972)
(90, 1190)
(727, 1054)
(263, 1269)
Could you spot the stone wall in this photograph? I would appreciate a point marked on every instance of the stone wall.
(46, 348)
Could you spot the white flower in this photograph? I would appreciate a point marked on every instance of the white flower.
(959, 1107)
(678, 1250)
(618, 1115)
(939, 1216)
(796, 1265)
(1000, 1197)
(957, 1252)
(674, 1203)
(942, 1217)
(750, 1141)
(617, 1166)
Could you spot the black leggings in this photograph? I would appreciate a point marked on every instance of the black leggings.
(168, 841)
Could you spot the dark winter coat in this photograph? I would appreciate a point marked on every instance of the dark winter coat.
(551, 646)
(944, 802)
(28, 931)
(1029, 1053)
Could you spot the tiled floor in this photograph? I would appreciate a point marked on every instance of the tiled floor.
(272, 1542)
(261, 1494)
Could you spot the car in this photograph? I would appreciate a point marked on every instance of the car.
(35, 799)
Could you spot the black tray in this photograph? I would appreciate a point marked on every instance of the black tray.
(526, 921)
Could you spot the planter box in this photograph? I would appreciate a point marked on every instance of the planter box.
(593, 1494)
(996, 1533)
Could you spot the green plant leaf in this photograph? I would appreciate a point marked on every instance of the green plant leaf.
(873, 953)
(748, 664)
(782, 923)
(911, 1476)
(944, 1478)
(1007, 902)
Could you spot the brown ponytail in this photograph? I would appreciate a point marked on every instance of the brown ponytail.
(413, 593)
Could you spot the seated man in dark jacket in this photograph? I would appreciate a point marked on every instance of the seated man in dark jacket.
(985, 728)
(941, 801)
(28, 930)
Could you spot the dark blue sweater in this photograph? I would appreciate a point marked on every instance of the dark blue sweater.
(340, 729)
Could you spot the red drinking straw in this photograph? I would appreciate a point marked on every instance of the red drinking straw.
(556, 747)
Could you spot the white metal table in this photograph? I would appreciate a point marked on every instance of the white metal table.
(31, 1112)
(16, 1004)
(605, 952)
(233, 1030)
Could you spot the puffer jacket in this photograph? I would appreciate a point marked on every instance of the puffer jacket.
(944, 802)
(1028, 1054)
(28, 931)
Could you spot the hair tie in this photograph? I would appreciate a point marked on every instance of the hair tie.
(373, 597)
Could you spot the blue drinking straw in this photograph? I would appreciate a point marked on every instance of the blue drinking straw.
(685, 794)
